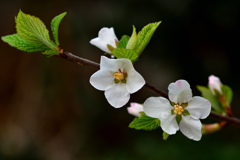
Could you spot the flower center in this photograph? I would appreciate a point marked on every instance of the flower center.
(178, 109)
(119, 76)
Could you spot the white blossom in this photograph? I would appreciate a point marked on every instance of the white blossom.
(214, 84)
(135, 109)
(106, 36)
(118, 79)
(184, 107)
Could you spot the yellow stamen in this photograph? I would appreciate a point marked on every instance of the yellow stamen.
(178, 109)
(119, 76)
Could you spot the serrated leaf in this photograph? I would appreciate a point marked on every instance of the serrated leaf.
(33, 30)
(227, 91)
(123, 42)
(145, 35)
(133, 41)
(16, 41)
(145, 123)
(207, 93)
(55, 25)
(125, 53)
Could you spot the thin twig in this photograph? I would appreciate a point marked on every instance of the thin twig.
(82, 61)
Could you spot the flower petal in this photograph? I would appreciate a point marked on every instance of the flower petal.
(105, 36)
(134, 81)
(108, 64)
(199, 108)
(180, 92)
(102, 79)
(155, 106)
(117, 95)
(169, 123)
(191, 127)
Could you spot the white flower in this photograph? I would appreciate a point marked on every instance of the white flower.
(214, 84)
(135, 108)
(186, 108)
(105, 36)
(118, 79)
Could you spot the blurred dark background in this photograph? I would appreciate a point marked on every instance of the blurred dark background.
(49, 110)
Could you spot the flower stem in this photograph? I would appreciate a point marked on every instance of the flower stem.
(86, 62)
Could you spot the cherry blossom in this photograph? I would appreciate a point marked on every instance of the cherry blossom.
(118, 79)
(182, 113)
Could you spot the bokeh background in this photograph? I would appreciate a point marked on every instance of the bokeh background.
(49, 111)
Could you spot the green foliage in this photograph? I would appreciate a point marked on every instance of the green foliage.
(33, 30)
(55, 24)
(133, 41)
(123, 42)
(145, 123)
(145, 35)
(207, 93)
(125, 53)
(227, 91)
(16, 41)
(32, 35)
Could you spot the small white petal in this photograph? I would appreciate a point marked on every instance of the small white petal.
(100, 44)
(108, 64)
(155, 106)
(199, 108)
(169, 123)
(135, 108)
(117, 95)
(134, 81)
(180, 92)
(102, 79)
(125, 65)
(191, 127)
(105, 36)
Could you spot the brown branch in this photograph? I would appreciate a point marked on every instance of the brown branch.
(86, 62)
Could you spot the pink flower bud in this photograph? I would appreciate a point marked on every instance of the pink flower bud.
(135, 108)
(215, 84)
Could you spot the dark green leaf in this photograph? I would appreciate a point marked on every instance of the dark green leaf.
(145, 123)
(55, 25)
(33, 30)
(16, 41)
(227, 91)
(125, 53)
(145, 35)
(123, 42)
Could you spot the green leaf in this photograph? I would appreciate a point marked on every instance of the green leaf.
(227, 91)
(145, 123)
(123, 42)
(133, 41)
(145, 35)
(16, 41)
(33, 30)
(207, 93)
(55, 24)
(125, 53)
(165, 136)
